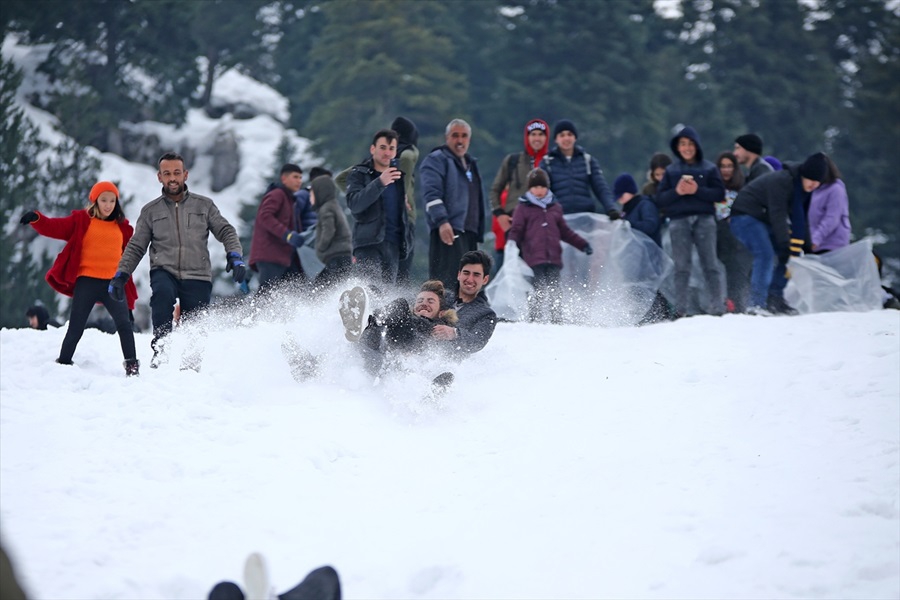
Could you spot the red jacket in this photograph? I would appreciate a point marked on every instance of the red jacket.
(64, 272)
(274, 220)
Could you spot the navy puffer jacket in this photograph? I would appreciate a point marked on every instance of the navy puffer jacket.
(710, 188)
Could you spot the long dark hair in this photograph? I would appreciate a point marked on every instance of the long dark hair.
(832, 174)
(737, 176)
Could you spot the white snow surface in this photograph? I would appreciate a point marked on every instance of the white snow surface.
(732, 457)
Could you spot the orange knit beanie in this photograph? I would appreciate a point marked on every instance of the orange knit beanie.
(103, 186)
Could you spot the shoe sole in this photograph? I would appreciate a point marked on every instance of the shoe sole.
(256, 578)
(352, 311)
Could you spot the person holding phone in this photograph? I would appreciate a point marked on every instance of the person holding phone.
(376, 196)
(687, 196)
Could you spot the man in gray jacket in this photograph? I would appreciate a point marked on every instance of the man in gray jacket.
(176, 227)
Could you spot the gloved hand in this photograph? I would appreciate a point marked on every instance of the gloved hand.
(613, 214)
(29, 217)
(237, 266)
(511, 249)
(117, 286)
(294, 239)
(588, 250)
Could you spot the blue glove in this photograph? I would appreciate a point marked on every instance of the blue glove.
(237, 266)
(116, 287)
(588, 250)
(294, 239)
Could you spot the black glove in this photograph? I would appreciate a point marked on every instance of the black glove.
(613, 214)
(236, 264)
(294, 239)
(117, 286)
(29, 217)
(588, 250)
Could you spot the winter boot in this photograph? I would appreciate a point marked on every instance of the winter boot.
(132, 367)
(353, 313)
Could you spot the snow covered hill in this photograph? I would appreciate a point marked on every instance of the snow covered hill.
(732, 457)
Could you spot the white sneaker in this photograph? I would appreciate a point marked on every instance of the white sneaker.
(353, 313)
(758, 311)
(256, 578)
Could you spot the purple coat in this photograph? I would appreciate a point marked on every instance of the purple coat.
(829, 217)
(537, 231)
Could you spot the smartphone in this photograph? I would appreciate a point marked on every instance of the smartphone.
(687, 177)
(395, 163)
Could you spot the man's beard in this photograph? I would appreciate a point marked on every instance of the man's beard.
(169, 192)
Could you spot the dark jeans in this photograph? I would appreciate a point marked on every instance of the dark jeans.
(738, 263)
(443, 260)
(89, 291)
(165, 289)
(546, 295)
(321, 584)
(272, 274)
(755, 236)
(336, 271)
(686, 233)
(379, 263)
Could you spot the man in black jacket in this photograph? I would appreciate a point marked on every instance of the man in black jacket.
(382, 235)
(761, 221)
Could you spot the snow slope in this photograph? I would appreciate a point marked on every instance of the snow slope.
(732, 457)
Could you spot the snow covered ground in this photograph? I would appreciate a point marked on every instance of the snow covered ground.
(733, 457)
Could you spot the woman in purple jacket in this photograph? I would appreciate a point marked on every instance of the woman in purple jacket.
(829, 213)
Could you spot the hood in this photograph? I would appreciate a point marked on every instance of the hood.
(691, 134)
(532, 124)
(324, 189)
(406, 130)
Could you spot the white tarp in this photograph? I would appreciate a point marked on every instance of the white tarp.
(615, 286)
(840, 280)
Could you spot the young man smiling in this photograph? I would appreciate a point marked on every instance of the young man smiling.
(382, 235)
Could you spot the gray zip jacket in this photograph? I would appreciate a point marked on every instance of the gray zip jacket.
(178, 236)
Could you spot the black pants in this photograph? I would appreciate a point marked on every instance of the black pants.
(443, 260)
(88, 292)
(321, 584)
(193, 294)
(546, 296)
(337, 270)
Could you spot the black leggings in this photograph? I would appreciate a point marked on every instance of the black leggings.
(88, 292)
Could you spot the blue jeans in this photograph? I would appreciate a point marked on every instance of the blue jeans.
(754, 235)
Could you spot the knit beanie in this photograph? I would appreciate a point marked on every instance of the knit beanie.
(750, 142)
(776, 164)
(103, 186)
(815, 167)
(564, 125)
(538, 177)
(624, 183)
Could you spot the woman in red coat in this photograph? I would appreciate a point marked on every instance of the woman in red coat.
(95, 238)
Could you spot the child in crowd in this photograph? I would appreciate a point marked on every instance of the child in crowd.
(333, 245)
(95, 238)
(639, 210)
(538, 227)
